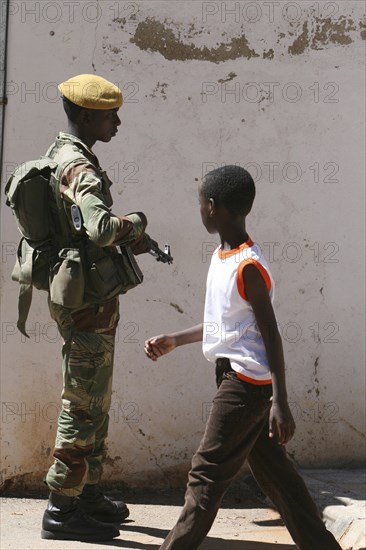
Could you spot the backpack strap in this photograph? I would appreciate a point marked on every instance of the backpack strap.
(24, 303)
(23, 274)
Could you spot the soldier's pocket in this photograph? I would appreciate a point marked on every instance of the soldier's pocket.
(103, 280)
(68, 282)
(113, 274)
(58, 474)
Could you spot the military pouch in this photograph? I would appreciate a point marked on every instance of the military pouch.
(32, 268)
(68, 281)
(112, 274)
(33, 263)
(129, 272)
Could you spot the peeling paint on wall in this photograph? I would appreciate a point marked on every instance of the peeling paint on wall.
(229, 77)
(269, 54)
(336, 32)
(154, 36)
(363, 31)
(323, 32)
(301, 42)
(176, 41)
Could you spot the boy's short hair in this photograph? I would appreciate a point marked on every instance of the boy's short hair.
(230, 186)
(71, 109)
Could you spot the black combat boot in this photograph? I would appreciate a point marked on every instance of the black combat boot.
(100, 507)
(65, 520)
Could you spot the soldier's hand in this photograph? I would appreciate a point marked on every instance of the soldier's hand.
(142, 245)
(131, 229)
(157, 346)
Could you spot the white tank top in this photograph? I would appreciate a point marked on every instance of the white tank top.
(229, 328)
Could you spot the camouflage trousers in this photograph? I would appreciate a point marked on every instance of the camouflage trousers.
(88, 352)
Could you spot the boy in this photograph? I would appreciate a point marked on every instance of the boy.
(240, 335)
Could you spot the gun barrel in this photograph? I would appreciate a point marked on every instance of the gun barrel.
(161, 256)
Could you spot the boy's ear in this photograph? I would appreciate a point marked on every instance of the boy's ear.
(211, 207)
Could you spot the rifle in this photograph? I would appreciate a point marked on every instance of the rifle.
(158, 254)
(155, 251)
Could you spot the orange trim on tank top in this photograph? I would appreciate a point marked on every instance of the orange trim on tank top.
(240, 279)
(227, 253)
(252, 380)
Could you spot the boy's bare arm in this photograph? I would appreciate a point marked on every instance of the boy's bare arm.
(281, 421)
(157, 346)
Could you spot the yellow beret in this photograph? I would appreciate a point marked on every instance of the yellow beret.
(91, 92)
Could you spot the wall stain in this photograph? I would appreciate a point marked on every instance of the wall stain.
(301, 42)
(174, 40)
(159, 88)
(322, 33)
(229, 77)
(361, 434)
(178, 308)
(363, 30)
(111, 461)
(332, 31)
(153, 457)
(171, 477)
(28, 481)
(153, 35)
(316, 379)
(269, 54)
(120, 20)
(46, 451)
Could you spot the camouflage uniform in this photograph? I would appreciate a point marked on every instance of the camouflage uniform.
(89, 329)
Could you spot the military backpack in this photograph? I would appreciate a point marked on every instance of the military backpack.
(31, 197)
(53, 257)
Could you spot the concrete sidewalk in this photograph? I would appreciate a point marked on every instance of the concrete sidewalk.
(341, 495)
(246, 520)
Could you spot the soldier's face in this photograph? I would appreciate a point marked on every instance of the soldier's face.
(103, 125)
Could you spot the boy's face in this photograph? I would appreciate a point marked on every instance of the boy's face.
(207, 211)
(102, 125)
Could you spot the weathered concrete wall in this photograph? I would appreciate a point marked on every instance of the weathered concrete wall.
(274, 86)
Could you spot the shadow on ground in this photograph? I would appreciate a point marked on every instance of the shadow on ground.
(210, 543)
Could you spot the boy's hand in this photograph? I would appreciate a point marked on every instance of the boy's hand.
(157, 346)
(281, 422)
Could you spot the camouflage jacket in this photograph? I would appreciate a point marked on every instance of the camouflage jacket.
(103, 271)
(85, 184)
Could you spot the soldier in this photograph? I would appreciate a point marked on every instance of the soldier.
(84, 303)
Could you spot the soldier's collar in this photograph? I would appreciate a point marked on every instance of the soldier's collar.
(69, 137)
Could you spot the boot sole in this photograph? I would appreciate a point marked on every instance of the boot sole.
(112, 519)
(58, 535)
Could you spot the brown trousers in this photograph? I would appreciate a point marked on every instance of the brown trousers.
(237, 429)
